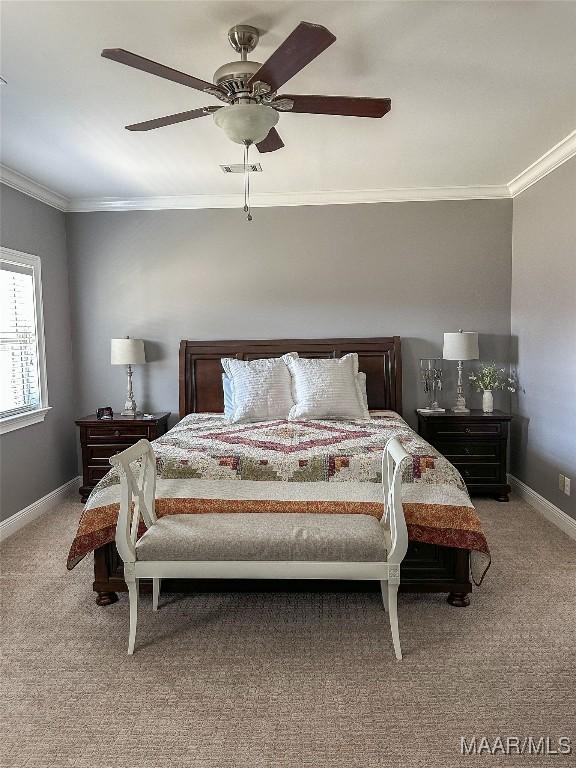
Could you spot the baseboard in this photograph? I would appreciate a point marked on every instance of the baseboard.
(550, 511)
(38, 508)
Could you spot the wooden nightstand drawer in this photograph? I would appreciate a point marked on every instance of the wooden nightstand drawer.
(100, 454)
(479, 473)
(121, 433)
(94, 474)
(443, 430)
(463, 450)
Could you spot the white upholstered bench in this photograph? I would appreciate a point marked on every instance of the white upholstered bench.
(257, 545)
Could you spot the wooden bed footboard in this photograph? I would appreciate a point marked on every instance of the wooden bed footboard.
(426, 568)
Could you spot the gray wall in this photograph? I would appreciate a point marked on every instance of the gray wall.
(37, 459)
(413, 269)
(544, 322)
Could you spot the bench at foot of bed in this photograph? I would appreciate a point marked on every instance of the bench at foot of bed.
(426, 568)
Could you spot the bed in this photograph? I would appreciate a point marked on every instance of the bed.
(443, 527)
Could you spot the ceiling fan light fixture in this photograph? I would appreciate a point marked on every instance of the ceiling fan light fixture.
(246, 123)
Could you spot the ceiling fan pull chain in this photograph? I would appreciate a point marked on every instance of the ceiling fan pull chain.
(247, 183)
(245, 187)
(249, 217)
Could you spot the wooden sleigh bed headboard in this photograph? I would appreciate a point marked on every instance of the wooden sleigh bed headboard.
(201, 372)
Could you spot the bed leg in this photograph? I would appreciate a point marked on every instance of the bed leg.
(106, 598)
(458, 599)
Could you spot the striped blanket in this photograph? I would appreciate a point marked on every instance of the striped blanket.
(206, 464)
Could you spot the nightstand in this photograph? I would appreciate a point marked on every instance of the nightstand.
(102, 438)
(476, 443)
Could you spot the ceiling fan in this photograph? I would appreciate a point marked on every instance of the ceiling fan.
(250, 89)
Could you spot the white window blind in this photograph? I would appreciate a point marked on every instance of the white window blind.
(22, 384)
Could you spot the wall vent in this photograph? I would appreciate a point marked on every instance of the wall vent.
(239, 168)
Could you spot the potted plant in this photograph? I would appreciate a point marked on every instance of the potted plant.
(489, 378)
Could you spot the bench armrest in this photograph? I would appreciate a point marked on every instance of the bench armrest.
(393, 460)
(137, 495)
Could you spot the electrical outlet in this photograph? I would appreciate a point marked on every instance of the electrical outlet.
(567, 486)
(561, 482)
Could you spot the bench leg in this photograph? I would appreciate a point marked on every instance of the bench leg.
(132, 585)
(156, 586)
(384, 589)
(393, 615)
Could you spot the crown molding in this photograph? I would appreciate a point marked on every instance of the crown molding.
(258, 200)
(550, 160)
(563, 151)
(288, 199)
(32, 188)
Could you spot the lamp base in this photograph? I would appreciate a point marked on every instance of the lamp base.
(130, 408)
(460, 406)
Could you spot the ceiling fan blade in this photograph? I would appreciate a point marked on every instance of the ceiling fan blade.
(147, 65)
(354, 106)
(160, 122)
(271, 143)
(300, 48)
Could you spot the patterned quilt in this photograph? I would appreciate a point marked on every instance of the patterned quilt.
(206, 464)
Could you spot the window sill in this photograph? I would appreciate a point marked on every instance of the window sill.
(21, 420)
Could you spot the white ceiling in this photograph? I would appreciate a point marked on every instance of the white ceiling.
(479, 91)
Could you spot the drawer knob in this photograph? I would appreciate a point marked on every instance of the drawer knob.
(117, 433)
(467, 429)
(467, 451)
(467, 473)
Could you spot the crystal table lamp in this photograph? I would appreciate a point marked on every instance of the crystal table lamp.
(460, 346)
(431, 377)
(128, 352)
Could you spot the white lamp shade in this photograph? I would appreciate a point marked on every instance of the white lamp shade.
(461, 346)
(127, 352)
(246, 122)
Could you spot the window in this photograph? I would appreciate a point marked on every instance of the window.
(23, 392)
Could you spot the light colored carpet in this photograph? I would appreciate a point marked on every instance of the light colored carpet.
(278, 679)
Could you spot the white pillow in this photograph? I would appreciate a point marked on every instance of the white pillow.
(361, 379)
(228, 396)
(326, 388)
(262, 388)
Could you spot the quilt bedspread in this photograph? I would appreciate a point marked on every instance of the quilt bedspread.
(206, 464)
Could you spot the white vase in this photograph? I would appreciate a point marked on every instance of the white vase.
(487, 401)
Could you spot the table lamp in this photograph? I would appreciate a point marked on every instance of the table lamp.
(460, 346)
(128, 352)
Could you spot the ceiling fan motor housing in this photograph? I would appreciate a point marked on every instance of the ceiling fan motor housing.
(234, 76)
(246, 120)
